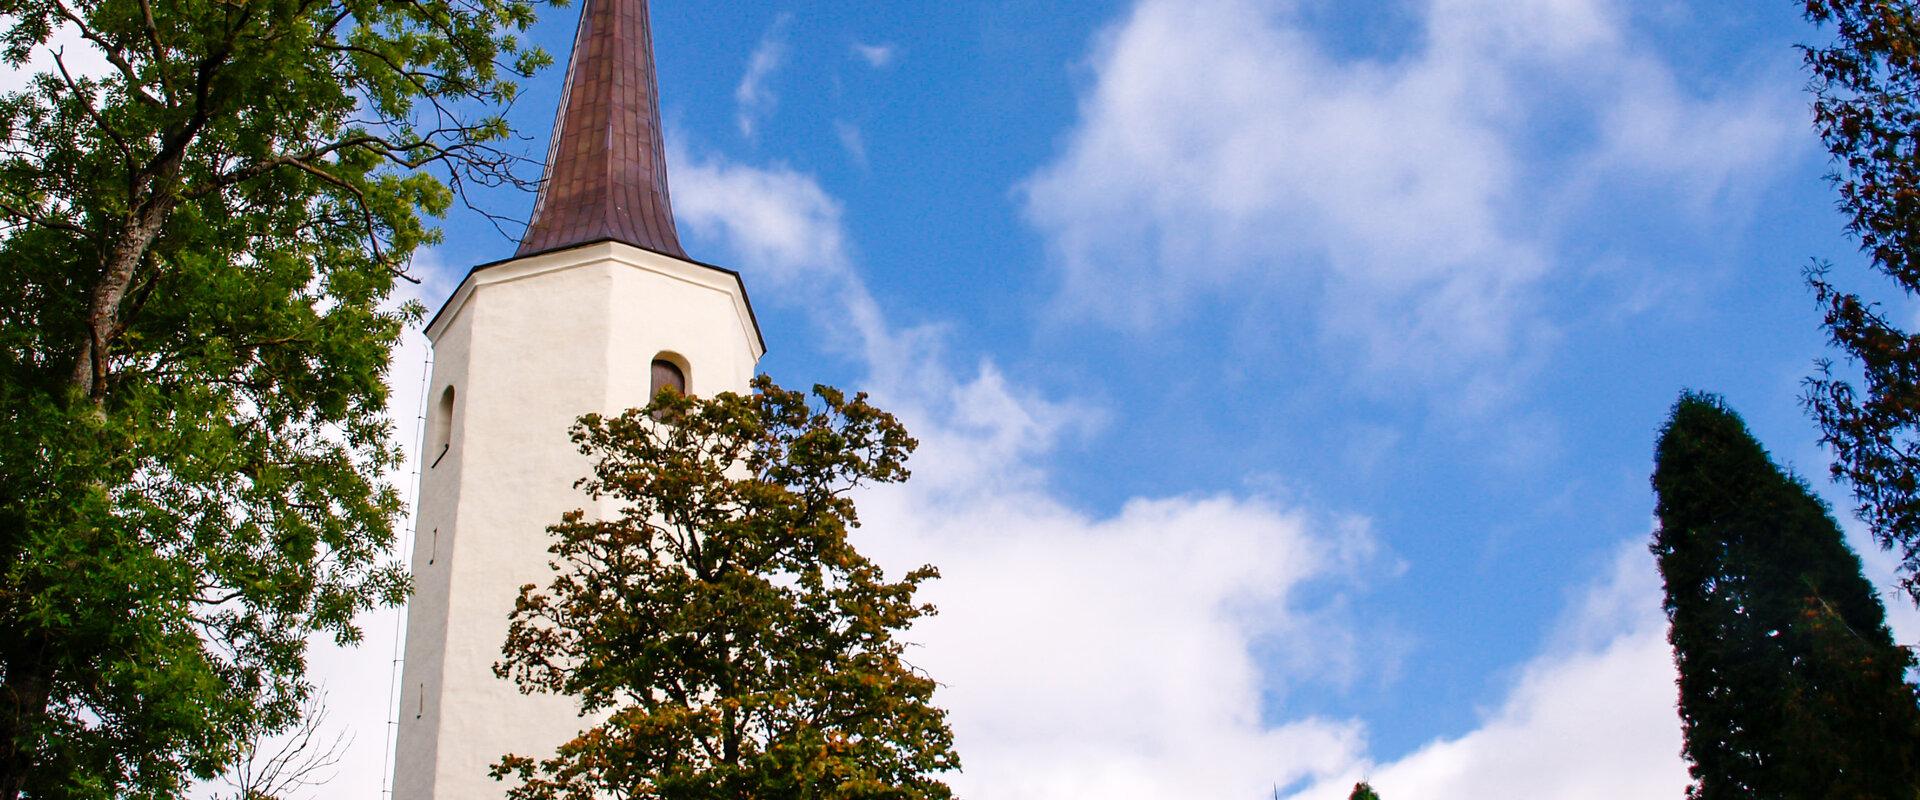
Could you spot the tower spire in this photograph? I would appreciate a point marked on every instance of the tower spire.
(606, 172)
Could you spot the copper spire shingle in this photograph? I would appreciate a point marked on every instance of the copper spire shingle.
(606, 172)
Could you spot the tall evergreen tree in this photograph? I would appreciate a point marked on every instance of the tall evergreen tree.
(1790, 684)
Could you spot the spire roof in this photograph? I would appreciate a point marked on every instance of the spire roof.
(606, 173)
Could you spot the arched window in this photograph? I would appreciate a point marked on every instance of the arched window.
(440, 429)
(667, 375)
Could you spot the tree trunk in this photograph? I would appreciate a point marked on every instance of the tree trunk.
(103, 305)
(23, 702)
(729, 737)
(29, 679)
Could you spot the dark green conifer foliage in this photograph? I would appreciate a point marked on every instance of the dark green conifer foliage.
(1363, 791)
(1790, 683)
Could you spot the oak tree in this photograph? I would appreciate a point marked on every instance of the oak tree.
(1790, 683)
(729, 638)
(198, 243)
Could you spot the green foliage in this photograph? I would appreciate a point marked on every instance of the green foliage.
(1363, 791)
(1790, 684)
(1866, 87)
(196, 252)
(733, 640)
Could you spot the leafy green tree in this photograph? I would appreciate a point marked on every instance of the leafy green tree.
(1866, 88)
(731, 638)
(1790, 684)
(197, 247)
(1363, 791)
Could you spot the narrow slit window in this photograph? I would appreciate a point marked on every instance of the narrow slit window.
(440, 432)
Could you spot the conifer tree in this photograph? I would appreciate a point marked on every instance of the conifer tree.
(1363, 791)
(1790, 684)
(729, 638)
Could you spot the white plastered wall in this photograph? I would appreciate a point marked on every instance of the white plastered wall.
(529, 345)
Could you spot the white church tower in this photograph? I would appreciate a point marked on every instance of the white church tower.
(599, 307)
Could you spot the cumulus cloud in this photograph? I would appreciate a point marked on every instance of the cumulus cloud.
(1112, 655)
(777, 219)
(1406, 195)
(1129, 655)
(786, 226)
(1593, 718)
(754, 98)
(1123, 656)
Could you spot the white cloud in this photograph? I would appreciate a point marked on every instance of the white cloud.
(1122, 656)
(1405, 195)
(1112, 656)
(754, 98)
(852, 141)
(776, 219)
(878, 56)
(1593, 718)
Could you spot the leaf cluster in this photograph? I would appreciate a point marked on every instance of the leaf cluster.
(1790, 683)
(1866, 90)
(719, 621)
(197, 250)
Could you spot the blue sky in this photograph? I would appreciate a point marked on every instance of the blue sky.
(1288, 369)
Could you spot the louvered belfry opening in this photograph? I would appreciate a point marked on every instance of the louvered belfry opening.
(606, 173)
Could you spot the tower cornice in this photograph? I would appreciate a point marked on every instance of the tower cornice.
(597, 251)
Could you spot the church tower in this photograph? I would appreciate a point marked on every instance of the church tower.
(598, 308)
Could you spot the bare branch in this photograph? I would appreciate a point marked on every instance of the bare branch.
(114, 55)
(304, 759)
(80, 96)
(43, 221)
(159, 48)
(366, 211)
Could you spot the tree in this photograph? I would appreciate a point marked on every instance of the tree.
(731, 638)
(1866, 88)
(305, 758)
(1790, 683)
(1363, 791)
(197, 247)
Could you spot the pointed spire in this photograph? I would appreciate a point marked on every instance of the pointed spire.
(606, 166)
